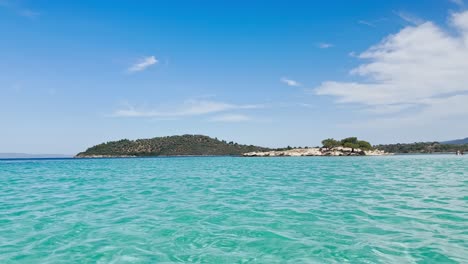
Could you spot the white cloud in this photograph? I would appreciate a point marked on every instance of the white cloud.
(410, 18)
(143, 64)
(290, 82)
(325, 45)
(231, 118)
(421, 66)
(387, 109)
(187, 108)
(450, 110)
(460, 21)
(457, 2)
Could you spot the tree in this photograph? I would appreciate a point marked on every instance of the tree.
(350, 145)
(364, 145)
(330, 143)
(351, 140)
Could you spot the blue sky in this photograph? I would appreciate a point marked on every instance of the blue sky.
(271, 73)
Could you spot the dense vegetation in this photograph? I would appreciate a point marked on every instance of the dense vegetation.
(462, 141)
(351, 142)
(422, 147)
(419, 147)
(199, 145)
(170, 146)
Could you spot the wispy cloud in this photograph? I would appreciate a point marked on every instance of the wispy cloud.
(458, 2)
(306, 105)
(187, 108)
(417, 73)
(13, 6)
(372, 23)
(410, 18)
(367, 23)
(143, 64)
(231, 118)
(449, 113)
(325, 45)
(290, 82)
(352, 54)
(387, 109)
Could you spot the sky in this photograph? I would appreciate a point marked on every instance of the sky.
(74, 74)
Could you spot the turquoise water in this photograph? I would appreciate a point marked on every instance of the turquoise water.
(400, 209)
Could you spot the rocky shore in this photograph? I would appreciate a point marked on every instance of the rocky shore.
(337, 151)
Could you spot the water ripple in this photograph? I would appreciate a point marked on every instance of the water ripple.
(401, 209)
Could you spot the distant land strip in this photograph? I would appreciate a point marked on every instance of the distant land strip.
(201, 145)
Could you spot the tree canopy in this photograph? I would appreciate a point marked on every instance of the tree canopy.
(350, 142)
(330, 143)
(170, 146)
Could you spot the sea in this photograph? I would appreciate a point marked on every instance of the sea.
(386, 209)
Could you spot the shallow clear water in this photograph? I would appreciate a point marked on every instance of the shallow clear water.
(400, 209)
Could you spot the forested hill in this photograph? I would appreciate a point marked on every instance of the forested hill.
(457, 141)
(185, 145)
(422, 147)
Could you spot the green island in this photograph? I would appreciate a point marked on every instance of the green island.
(184, 145)
(201, 145)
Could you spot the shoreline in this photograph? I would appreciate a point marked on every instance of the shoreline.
(216, 156)
(318, 152)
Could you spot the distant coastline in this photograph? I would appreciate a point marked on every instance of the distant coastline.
(424, 148)
(200, 145)
(32, 156)
(204, 146)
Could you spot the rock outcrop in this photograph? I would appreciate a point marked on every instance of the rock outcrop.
(338, 151)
